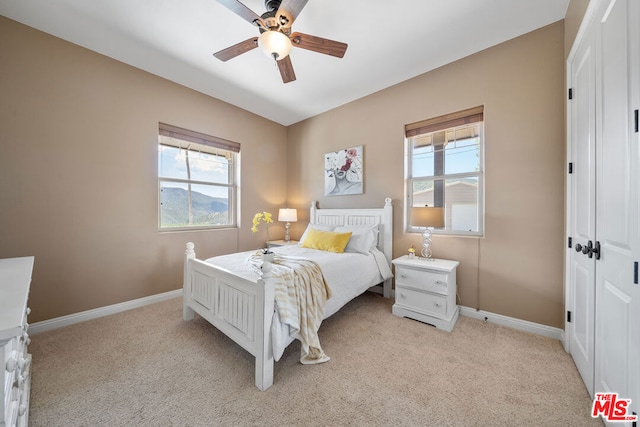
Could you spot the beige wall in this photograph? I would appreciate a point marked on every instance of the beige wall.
(78, 172)
(517, 268)
(78, 134)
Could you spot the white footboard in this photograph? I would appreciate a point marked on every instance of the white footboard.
(239, 308)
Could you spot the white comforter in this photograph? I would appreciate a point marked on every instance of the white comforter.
(347, 274)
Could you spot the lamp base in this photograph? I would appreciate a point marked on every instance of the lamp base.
(426, 243)
(287, 237)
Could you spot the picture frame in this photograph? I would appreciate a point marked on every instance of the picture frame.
(343, 172)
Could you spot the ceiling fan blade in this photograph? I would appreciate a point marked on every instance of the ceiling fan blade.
(289, 11)
(237, 49)
(286, 69)
(243, 11)
(318, 44)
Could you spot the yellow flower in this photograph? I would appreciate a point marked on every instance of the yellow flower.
(262, 217)
(265, 217)
(256, 221)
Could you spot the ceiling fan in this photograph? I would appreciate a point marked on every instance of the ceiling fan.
(276, 38)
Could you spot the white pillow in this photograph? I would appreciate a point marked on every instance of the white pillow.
(363, 237)
(319, 227)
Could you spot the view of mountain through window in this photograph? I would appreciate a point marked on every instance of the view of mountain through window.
(196, 183)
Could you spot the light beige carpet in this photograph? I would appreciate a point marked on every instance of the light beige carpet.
(148, 367)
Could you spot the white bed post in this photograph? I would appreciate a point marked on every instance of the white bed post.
(388, 242)
(187, 312)
(264, 350)
(313, 212)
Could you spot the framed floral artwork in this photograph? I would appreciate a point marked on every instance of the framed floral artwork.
(343, 172)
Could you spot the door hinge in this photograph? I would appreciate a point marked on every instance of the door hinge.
(635, 423)
(570, 242)
(570, 167)
(569, 316)
(570, 93)
(635, 117)
(635, 273)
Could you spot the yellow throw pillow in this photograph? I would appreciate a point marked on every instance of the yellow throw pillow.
(326, 240)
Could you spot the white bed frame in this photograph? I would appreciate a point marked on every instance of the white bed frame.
(243, 310)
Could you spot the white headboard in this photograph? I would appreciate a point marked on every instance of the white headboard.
(381, 216)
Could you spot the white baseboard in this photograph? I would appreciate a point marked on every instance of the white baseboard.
(83, 316)
(511, 322)
(59, 322)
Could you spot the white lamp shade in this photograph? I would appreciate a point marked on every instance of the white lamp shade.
(288, 215)
(427, 217)
(274, 43)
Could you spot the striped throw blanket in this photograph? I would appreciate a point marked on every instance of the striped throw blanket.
(300, 294)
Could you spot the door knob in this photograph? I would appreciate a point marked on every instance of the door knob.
(589, 249)
(578, 247)
(596, 250)
(593, 250)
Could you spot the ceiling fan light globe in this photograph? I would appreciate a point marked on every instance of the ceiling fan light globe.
(274, 44)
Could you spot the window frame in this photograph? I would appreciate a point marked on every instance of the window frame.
(445, 123)
(201, 143)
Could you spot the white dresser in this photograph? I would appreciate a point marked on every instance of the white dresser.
(426, 291)
(15, 279)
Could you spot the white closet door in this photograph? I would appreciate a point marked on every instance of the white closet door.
(581, 289)
(615, 214)
(634, 73)
(617, 303)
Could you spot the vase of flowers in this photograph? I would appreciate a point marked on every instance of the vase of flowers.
(412, 252)
(267, 219)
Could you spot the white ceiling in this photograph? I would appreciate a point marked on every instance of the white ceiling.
(389, 42)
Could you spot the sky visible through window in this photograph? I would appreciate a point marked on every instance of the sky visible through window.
(460, 157)
(202, 167)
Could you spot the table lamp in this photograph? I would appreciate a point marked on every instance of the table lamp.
(428, 218)
(288, 216)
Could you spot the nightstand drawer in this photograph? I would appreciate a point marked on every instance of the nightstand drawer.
(422, 280)
(421, 301)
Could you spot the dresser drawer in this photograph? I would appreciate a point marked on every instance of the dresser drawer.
(422, 302)
(422, 280)
(15, 279)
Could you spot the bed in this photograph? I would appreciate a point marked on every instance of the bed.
(240, 301)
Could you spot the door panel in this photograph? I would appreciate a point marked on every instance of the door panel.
(614, 230)
(613, 341)
(582, 319)
(634, 85)
(582, 205)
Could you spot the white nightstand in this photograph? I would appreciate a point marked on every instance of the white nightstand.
(282, 242)
(426, 291)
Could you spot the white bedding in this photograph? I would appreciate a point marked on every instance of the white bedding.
(347, 274)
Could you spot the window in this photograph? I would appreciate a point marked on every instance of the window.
(196, 179)
(445, 169)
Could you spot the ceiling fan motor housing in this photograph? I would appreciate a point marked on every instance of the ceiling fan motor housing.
(273, 22)
(272, 5)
